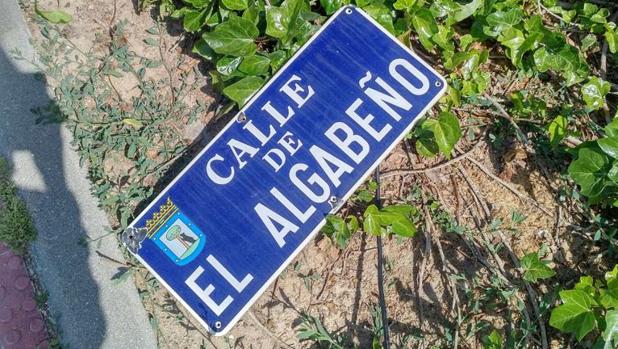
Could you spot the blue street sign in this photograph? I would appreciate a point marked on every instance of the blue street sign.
(238, 214)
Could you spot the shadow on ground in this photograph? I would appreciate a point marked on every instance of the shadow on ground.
(35, 153)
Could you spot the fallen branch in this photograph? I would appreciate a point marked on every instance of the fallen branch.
(399, 172)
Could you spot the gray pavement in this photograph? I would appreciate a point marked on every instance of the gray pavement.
(91, 311)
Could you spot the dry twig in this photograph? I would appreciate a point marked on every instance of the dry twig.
(521, 196)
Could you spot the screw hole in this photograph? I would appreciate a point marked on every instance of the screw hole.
(438, 83)
(348, 11)
(242, 118)
(218, 324)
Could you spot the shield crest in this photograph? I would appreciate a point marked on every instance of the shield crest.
(177, 236)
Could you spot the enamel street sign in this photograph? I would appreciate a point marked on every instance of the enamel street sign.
(238, 214)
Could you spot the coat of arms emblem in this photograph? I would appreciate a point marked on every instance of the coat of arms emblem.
(175, 234)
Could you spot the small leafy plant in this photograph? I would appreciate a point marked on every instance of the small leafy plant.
(590, 308)
(16, 227)
(393, 219)
(312, 329)
(534, 268)
(595, 168)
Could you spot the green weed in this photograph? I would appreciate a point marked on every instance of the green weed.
(16, 227)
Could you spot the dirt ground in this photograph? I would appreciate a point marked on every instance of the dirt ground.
(436, 283)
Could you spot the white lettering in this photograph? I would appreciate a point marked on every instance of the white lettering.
(293, 93)
(214, 176)
(365, 122)
(314, 179)
(258, 134)
(347, 141)
(238, 285)
(276, 165)
(276, 114)
(290, 144)
(204, 294)
(325, 158)
(269, 217)
(302, 216)
(244, 148)
(400, 62)
(383, 100)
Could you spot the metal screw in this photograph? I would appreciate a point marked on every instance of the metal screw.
(242, 118)
(218, 324)
(438, 83)
(333, 200)
(348, 11)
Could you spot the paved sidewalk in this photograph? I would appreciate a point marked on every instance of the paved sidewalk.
(91, 311)
(21, 323)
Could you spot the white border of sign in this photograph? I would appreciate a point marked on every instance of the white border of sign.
(344, 199)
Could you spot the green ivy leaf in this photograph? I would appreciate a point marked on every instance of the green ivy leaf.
(534, 268)
(594, 92)
(331, 6)
(611, 37)
(575, 315)
(242, 90)
(501, 20)
(557, 130)
(201, 48)
(403, 5)
(493, 340)
(466, 10)
(588, 171)
(382, 15)
(609, 296)
(446, 132)
(255, 65)
(611, 129)
(235, 4)
(371, 221)
(588, 41)
(228, 65)
(613, 173)
(397, 217)
(425, 25)
(586, 284)
(277, 59)
(194, 20)
(282, 22)
(198, 4)
(610, 335)
(234, 37)
(56, 16)
(426, 142)
(340, 230)
(609, 146)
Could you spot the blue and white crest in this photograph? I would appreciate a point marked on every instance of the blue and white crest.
(175, 234)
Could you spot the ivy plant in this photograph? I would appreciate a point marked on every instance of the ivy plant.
(595, 168)
(590, 309)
